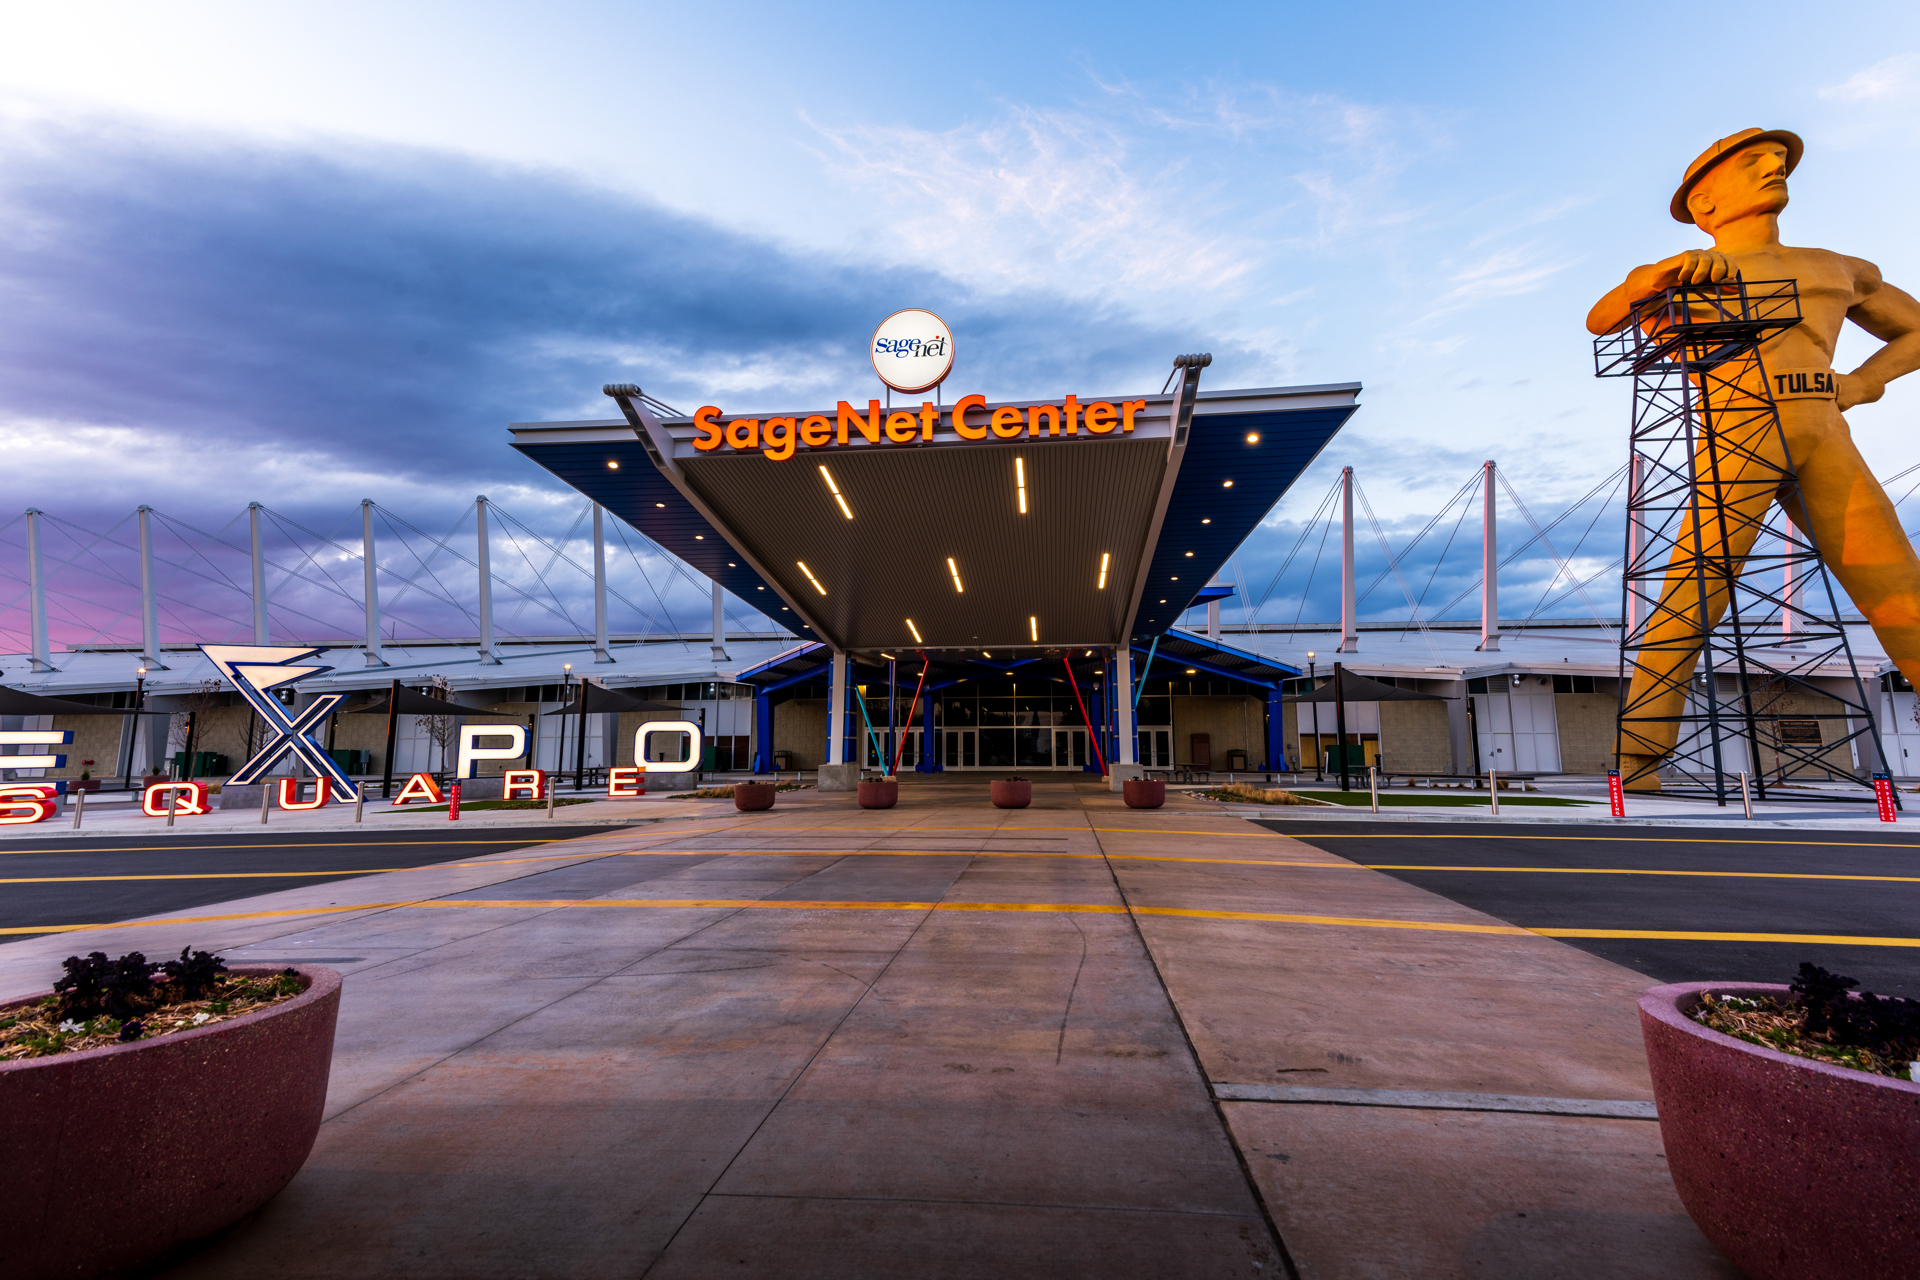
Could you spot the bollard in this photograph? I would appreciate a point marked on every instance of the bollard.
(550, 782)
(453, 802)
(1373, 786)
(79, 807)
(265, 791)
(1746, 796)
(359, 801)
(1493, 790)
(173, 799)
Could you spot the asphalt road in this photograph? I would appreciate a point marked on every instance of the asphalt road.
(47, 884)
(1758, 886)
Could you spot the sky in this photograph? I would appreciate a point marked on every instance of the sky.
(305, 255)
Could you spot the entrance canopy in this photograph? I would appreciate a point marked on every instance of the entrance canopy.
(1001, 530)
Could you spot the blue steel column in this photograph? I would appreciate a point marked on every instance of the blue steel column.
(933, 752)
(1276, 747)
(762, 733)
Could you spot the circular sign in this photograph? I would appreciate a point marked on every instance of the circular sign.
(912, 350)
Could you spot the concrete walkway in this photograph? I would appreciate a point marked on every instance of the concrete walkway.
(946, 1040)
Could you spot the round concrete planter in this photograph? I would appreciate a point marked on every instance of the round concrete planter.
(1792, 1168)
(1144, 793)
(751, 797)
(117, 1155)
(879, 793)
(1012, 793)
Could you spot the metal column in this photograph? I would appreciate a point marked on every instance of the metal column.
(600, 650)
(259, 575)
(149, 607)
(1349, 623)
(371, 588)
(837, 709)
(486, 587)
(37, 586)
(1489, 565)
(719, 625)
(1127, 749)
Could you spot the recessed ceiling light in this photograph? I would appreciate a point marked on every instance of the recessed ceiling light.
(916, 632)
(732, 565)
(613, 466)
(1033, 631)
(954, 569)
(1207, 520)
(1104, 557)
(1253, 437)
(1189, 555)
(810, 578)
(660, 504)
(1190, 671)
(1020, 482)
(759, 588)
(699, 537)
(1175, 578)
(1163, 602)
(1226, 484)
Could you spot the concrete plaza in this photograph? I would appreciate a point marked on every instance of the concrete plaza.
(945, 1040)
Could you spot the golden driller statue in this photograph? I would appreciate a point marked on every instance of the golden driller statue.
(1734, 192)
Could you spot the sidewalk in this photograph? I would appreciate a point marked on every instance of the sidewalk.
(946, 1040)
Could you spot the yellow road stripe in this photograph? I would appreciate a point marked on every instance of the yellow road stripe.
(1811, 844)
(330, 844)
(683, 853)
(730, 904)
(1630, 871)
(1827, 939)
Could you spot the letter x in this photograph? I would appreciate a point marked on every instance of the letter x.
(255, 671)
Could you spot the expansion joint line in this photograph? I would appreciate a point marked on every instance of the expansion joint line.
(1193, 1056)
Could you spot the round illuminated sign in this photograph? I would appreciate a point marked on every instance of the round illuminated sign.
(912, 350)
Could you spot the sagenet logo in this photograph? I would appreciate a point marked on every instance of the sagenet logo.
(912, 350)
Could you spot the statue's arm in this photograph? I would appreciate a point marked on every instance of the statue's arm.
(1695, 266)
(1891, 315)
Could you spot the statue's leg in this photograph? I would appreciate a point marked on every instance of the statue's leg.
(1670, 646)
(1858, 532)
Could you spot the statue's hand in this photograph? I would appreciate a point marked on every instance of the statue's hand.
(1850, 389)
(1703, 266)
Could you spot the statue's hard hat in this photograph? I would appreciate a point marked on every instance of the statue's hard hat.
(1720, 150)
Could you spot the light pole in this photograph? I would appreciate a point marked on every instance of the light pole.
(133, 739)
(1312, 685)
(566, 696)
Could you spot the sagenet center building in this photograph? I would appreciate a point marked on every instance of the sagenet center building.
(977, 584)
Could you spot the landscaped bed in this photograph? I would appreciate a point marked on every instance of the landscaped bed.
(469, 806)
(1880, 1034)
(1242, 793)
(101, 1002)
(1426, 800)
(726, 793)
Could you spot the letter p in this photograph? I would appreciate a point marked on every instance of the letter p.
(472, 753)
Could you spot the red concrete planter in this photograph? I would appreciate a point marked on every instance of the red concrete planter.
(1012, 793)
(116, 1155)
(1792, 1168)
(879, 793)
(84, 784)
(1144, 793)
(751, 797)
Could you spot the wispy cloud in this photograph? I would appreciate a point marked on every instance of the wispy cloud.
(1887, 80)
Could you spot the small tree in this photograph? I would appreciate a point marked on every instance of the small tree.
(439, 729)
(206, 695)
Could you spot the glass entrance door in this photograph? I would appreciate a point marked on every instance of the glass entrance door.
(1156, 746)
(1069, 748)
(962, 748)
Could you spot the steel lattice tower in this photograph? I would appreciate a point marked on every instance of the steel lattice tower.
(1713, 567)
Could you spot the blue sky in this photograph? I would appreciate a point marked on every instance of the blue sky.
(309, 254)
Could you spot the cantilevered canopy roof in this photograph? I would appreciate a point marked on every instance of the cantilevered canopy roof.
(862, 545)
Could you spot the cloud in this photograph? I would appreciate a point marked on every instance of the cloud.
(212, 321)
(1887, 80)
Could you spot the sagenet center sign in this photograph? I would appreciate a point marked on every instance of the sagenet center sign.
(778, 437)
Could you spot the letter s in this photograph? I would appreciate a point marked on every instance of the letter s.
(710, 432)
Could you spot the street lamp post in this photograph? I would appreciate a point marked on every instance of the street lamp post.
(1312, 685)
(566, 696)
(133, 739)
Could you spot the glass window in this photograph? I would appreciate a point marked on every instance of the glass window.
(997, 749)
